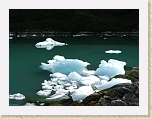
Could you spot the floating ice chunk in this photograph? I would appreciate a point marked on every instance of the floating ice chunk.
(58, 97)
(104, 77)
(71, 87)
(49, 43)
(44, 92)
(113, 82)
(74, 76)
(113, 51)
(88, 72)
(58, 87)
(45, 66)
(29, 104)
(47, 87)
(62, 91)
(64, 66)
(17, 96)
(58, 58)
(89, 80)
(111, 68)
(58, 75)
(82, 93)
(67, 84)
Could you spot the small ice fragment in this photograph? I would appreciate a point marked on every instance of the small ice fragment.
(17, 96)
(44, 92)
(89, 80)
(74, 76)
(113, 51)
(58, 75)
(88, 72)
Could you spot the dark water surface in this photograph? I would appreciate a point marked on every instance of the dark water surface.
(26, 77)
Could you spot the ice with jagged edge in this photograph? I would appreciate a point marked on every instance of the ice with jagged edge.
(64, 66)
(17, 96)
(111, 68)
(49, 43)
(71, 78)
(113, 51)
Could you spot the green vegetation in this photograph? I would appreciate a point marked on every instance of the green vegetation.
(73, 20)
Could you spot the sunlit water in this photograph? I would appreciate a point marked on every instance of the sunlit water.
(26, 77)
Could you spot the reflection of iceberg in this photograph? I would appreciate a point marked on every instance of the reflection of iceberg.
(113, 51)
(17, 96)
(49, 43)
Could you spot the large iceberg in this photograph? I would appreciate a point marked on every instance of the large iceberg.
(70, 77)
(111, 68)
(49, 43)
(64, 66)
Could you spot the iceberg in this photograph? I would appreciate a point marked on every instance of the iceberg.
(113, 51)
(90, 80)
(111, 68)
(44, 92)
(82, 93)
(49, 43)
(113, 82)
(58, 97)
(17, 96)
(64, 66)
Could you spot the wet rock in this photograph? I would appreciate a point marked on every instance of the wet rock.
(118, 103)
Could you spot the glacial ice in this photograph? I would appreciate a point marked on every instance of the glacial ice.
(49, 43)
(111, 68)
(82, 93)
(113, 51)
(113, 82)
(44, 92)
(70, 76)
(17, 96)
(64, 66)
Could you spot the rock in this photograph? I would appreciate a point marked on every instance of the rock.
(118, 103)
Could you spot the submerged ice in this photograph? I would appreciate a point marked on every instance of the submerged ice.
(49, 43)
(70, 77)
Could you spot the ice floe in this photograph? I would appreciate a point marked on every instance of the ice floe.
(44, 92)
(64, 66)
(82, 93)
(17, 96)
(111, 68)
(49, 43)
(113, 51)
(70, 77)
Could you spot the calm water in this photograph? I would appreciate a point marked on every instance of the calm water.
(26, 77)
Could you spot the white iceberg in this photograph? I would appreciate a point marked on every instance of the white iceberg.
(44, 92)
(49, 43)
(64, 66)
(74, 76)
(113, 82)
(58, 97)
(58, 75)
(88, 72)
(29, 104)
(111, 68)
(81, 93)
(90, 80)
(113, 51)
(17, 96)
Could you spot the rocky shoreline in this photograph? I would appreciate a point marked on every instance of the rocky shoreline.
(120, 95)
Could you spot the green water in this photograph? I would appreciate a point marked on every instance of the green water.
(26, 77)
